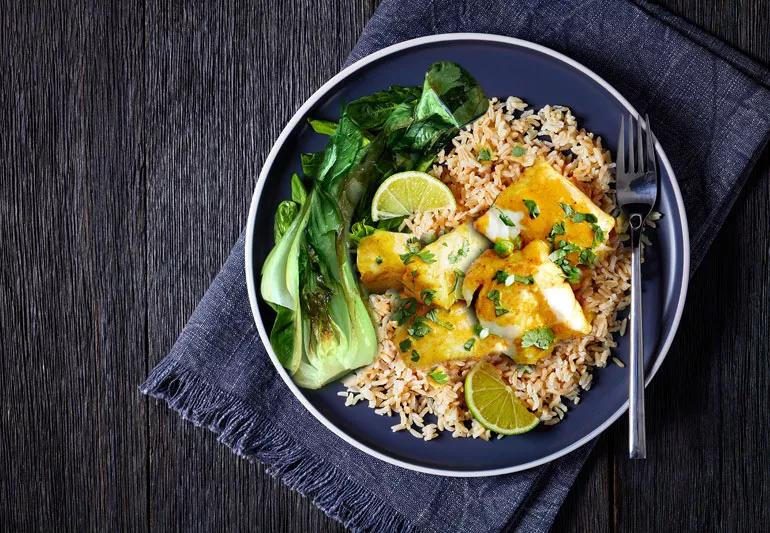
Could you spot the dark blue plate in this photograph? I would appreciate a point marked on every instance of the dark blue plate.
(504, 67)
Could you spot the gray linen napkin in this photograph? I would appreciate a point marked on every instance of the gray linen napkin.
(710, 107)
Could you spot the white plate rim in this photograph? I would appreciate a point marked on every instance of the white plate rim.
(252, 276)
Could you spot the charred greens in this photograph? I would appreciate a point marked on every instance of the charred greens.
(322, 328)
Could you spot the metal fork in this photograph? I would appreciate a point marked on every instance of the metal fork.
(637, 190)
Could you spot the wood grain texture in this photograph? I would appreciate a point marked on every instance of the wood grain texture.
(222, 79)
(72, 322)
(131, 135)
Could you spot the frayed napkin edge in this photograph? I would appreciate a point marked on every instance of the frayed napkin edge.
(255, 438)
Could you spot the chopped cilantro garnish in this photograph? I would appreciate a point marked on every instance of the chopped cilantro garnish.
(518, 151)
(534, 210)
(484, 155)
(469, 344)
(477, 329)
(423, 255)
(359, 230)
(598, 234)
(577, 217)
(526, 280)
(413, 250)
(501, 276)
(427, 296)
(559, 257)
(405, 309)
(494, 296)
(484, 333)
(378, 260)
(587, 257)
(405, 344)
(584, 217)
(462, 252)
(432, 315)
(419, 328)
(415, 356)
(459, 275)
(562, 248)
(557, 229)
(438, 376)
(539, 338)
(572, 273)
(505, 219)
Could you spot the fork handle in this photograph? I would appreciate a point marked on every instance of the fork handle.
(637, 446)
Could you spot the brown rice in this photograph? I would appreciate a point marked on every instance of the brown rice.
(392, 388)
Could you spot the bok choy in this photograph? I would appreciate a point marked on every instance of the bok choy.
(322, 328)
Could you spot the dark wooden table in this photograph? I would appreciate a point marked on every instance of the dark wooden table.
(131, 135)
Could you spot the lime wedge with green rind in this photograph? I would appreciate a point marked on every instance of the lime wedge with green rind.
(493, 403)
(410, 192)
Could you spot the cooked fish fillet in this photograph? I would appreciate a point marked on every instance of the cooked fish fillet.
(536, 296)
(451, 336)
(379, 260)
(438, 279)
(545, 190)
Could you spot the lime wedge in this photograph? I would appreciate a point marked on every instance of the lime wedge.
(410, 192)
(494, 404)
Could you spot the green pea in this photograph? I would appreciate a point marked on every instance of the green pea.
(504, 247)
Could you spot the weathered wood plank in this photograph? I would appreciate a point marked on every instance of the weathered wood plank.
(72, 320)
(743, 24)
(222, 80)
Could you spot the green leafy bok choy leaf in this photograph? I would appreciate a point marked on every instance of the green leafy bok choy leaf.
(323, 328)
